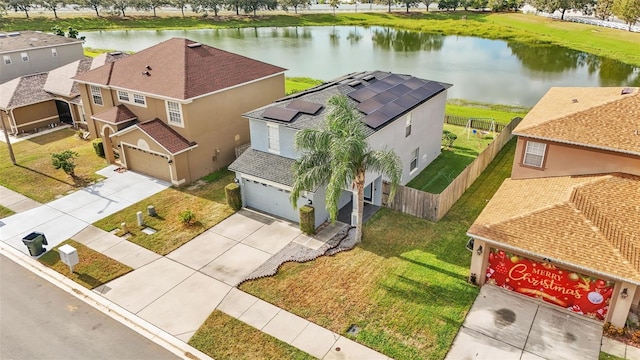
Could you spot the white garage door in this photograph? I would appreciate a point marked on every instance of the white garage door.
(269, 199)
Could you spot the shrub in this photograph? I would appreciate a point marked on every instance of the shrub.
(448, 138)
(65, 161)
(98, 147)
(187, 217)
(307, 219)
(234, 199)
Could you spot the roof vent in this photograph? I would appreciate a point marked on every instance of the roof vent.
(194, 45)
(13, 34)
(148, 67)
(114, 53)
(626, 91)
(146, 73)
(574, 100)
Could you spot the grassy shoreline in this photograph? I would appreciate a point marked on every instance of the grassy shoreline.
(611, 43)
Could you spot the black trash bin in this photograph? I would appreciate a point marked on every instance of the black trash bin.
(34, 242)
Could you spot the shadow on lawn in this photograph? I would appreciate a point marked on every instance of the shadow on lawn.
(437, 295)
(434, 268)
(46, 175)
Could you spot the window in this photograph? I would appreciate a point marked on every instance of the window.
(273, 137)
(414, 160)
(408, 129)
(123, 96)
(54, 52)
(96, 94)
(24, 56)
(534, 154)
(7, 59)
(174, 113)
(139, 99)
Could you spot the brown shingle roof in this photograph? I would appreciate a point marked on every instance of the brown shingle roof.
(180, 72)
(116, 114)
(27, 40)
(25, 90)
(589, 222)
(593, 117)
(165, 136)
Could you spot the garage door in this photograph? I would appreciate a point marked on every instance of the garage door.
(147, 163)
(269, 199)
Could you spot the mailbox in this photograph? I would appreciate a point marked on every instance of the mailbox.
(68, 255)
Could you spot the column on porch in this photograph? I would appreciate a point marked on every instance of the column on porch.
(623, 295)
(479, 261)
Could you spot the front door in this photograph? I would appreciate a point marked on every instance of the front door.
(64, 112)
(368, 193)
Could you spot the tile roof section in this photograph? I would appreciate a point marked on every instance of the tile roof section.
(165, 136)
(589, 222)
(602, 118)
(322, 93)
(24, 90)
(27, 40)
(264, 165)
(116, 114)
(176, 70)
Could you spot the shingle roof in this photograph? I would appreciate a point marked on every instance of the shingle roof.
(27, 40)
(589, 222)
(165, 136)
(24, 90)
(116, 114)
(60, 80)
(177, 69)
(264, 165)
(602, 118)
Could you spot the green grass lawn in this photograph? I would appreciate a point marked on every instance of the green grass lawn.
(404, 285)
(502, 114)
(4, 212)
(605, 356)
(297, 84)
(223, 337)
(93, 270)
(615, 44)
(35, 177)
(205, 198)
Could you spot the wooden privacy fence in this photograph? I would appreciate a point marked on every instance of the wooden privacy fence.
(435, 206)
(476, 123)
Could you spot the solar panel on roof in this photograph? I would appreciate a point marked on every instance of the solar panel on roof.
(354, 83)
(414, 83)
(369, 106)
(279, 113)
(427, 91)
(393, 79)
(379, 87)
(376, 119)
(399, 90)
(407, 101)
(306, 107)
(385, 97)
(436, 87)
(361, 95)
(392, 110)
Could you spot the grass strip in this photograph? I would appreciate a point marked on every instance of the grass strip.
(4, 212)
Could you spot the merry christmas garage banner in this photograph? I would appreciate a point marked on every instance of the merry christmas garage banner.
(576, 292)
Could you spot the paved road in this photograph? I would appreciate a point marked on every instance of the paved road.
(40, 321)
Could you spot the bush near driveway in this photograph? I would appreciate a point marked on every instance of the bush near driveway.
(205, 199)
(404, 286)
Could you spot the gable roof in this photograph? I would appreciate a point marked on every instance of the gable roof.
(25, 90)
(28, 40)
(604, 118)
(165, 136)
(271, 167)
(180, 69)
(588, 222)
(116, 114)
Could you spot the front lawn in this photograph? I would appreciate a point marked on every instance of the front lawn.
(35, 177)
(4, 212)
(93, 270)
(205, 198)
(223, 337)
(404, 285)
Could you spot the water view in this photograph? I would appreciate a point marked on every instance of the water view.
(492, 71)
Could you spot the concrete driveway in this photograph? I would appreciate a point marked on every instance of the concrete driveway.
(505, 325)
(62, 218)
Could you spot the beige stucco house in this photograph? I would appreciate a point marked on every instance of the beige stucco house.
(173, 111)
(565, 228)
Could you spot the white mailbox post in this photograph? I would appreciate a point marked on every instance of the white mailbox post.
(68, 255)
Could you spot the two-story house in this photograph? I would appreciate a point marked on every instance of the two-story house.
(31, 52)
(173, 111)
(565, 227)
(399, 112)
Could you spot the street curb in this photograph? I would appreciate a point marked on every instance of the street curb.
(114, 311)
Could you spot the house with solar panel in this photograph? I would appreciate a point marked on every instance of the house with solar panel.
(400, 112)
(173, 111)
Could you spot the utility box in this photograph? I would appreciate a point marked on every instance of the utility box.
(68, 255)
(34, 242)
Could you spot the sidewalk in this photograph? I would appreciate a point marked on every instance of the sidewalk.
(171, 296)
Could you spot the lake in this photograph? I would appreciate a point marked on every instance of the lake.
(491, 71)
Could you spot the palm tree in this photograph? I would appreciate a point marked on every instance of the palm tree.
(338, 156)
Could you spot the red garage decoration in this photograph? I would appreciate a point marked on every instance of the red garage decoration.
(577, 292)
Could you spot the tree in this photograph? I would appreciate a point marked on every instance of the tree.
(295, 4)
(57, 30)
(180, 4)
(604, 9)
(448, 4)
(627, 10)
(409, 3)
(94, 4)
(334, 5)
(448, 138)
(120, 5)
(551, 6)
(21, 5)
(204, 6)
(427, 3)
(337, 156)
(52, 5)
(65, 161)
(386, 2)
(150, 5)
(252, 6)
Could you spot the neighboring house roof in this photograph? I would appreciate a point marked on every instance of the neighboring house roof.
(180, 69)
(264, 165)
(589, 222)
(27, 40)
(116, 114)
(602, 117)
(24, 90)
(381, 98)
(165, 136)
